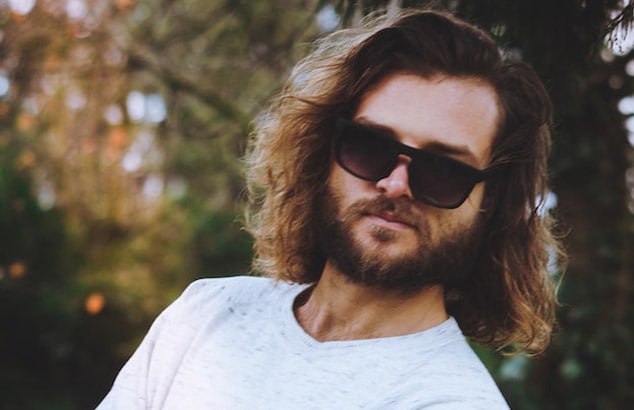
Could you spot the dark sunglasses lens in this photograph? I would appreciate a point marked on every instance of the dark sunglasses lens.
(433, 179)
(440, 181)
(364, 154)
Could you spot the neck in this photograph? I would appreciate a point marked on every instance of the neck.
(338, 309)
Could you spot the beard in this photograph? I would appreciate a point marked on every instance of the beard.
(445, 262)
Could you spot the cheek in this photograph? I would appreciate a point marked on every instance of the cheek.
(346, 187)
(442, 222)
(470, 210)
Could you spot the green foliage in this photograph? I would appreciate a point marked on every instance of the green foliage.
(107, 213)
(38, 310)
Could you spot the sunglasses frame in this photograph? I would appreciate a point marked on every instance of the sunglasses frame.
(473, 176)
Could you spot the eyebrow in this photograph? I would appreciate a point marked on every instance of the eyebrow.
(435, 146)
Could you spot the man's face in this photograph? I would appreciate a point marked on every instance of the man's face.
(376, 233)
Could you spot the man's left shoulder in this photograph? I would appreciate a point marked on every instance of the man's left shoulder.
(455, 379)
(456, 375)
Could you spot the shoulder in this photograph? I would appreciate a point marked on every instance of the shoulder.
(451, 376)
(238, 288)
(232, 284)
(208, 304)
(211, 296)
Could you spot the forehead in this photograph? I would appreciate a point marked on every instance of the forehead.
(460, 114)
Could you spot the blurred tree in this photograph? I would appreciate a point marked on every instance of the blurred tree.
(121, 124)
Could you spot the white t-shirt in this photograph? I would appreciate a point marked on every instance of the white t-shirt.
(234, 343)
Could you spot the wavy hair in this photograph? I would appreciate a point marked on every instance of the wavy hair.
(508, 301)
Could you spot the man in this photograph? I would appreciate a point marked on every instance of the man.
(395, 191)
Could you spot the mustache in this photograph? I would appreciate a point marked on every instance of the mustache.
(399, 209)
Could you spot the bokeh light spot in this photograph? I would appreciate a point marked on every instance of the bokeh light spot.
(46, 195)
(135, 104)
(629, 124)
(5, 85)
(76, 9)
(156, 111)
(621, 40)
(132, 161)
(327, 18)
(153, 187)
(21, 7)
(75, 99)
(113, 114)
(17, 270)
(629, 68)
(626, 105)
(95, 303)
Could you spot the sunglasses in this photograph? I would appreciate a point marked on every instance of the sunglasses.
(371, 154)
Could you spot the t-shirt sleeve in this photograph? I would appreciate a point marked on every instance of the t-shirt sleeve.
(129, 390)
(146, 377)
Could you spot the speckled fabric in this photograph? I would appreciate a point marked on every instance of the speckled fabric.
(234, 343)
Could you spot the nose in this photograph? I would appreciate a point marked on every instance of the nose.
(396, 184)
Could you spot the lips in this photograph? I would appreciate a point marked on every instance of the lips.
(386, 212)
(392, 217)
(390, 220)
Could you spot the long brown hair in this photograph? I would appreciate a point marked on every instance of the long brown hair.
(509, 299)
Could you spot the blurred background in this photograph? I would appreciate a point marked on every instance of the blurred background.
(122, 124)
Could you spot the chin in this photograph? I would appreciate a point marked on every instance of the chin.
(388, 245)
